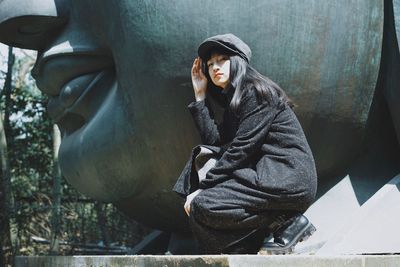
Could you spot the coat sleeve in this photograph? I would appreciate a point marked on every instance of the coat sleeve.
(254, 122)
(210, 131)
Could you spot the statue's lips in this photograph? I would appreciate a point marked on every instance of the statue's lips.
(80, 99)
(72, 95)
(72, 80)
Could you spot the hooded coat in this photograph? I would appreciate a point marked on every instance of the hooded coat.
(265, 169)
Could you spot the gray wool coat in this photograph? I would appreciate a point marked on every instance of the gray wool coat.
(264, 165)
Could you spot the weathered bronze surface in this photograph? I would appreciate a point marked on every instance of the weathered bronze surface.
(118, 77)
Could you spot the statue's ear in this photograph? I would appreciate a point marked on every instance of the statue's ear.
(31, 24)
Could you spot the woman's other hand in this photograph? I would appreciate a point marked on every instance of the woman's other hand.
(199, 80)
(189, 200)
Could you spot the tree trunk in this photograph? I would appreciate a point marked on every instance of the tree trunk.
(57, 191)
(8, 229)
(83, 223)
(5, 238)
(101, 219)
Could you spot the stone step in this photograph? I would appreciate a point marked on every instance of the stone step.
(374, 228)
(204, 260)
(328, 214)
(344, 226)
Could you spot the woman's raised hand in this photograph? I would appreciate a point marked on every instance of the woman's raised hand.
(199, 80)
(189, 200)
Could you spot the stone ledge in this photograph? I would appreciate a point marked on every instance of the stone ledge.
(206, 260)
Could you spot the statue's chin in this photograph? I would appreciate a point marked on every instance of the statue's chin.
(97, 158)
(97, 169)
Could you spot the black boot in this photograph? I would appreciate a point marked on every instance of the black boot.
(294, 230)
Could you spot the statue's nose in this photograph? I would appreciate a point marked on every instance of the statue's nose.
(31, 24)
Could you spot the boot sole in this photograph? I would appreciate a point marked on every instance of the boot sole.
(302, 236)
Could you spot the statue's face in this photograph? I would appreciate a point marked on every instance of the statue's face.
(118, 77)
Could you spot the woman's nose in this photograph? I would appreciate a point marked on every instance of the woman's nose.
(215, 67)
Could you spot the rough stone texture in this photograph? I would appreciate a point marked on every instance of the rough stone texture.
(216, 261)
(391, 48)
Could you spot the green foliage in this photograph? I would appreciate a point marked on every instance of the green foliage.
(31, 159)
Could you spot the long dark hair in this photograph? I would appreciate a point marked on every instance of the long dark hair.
(244, 77)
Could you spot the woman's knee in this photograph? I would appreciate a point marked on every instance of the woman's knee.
(205, 209)
(197, 207)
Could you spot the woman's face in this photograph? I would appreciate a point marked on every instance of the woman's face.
(219, 66)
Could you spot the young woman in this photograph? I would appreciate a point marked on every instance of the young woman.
(254, 173)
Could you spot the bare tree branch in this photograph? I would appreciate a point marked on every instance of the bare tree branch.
(23, 51)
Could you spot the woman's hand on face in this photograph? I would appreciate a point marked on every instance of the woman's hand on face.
(189, 200)
(199, 80)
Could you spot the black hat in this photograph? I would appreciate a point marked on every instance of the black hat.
(228, 42)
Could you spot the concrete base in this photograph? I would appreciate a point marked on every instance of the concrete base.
(373, 229)
(218, 260)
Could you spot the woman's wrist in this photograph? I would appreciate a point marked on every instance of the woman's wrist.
(200, 97)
